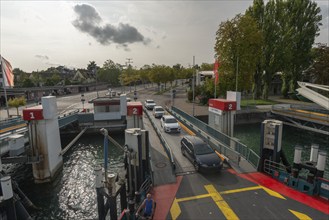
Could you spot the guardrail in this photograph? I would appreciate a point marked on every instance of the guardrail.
(4, 124)
(163, 141)
(226, 145)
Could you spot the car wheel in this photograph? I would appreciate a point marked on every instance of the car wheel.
(196, 166)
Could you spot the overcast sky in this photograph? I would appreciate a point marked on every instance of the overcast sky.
(36, 35)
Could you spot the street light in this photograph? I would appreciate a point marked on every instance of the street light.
(83, 101)
(193, 85)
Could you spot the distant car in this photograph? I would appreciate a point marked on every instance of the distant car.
(149, 104)
(170, 124)
(158, 111)
(203, 157)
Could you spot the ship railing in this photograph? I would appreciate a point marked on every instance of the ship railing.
(145, 187)
(224, 144)
(273, 168)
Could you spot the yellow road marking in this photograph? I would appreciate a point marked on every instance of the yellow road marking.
(193, 197)
(12, 128)
(300, 215)
(220, 202)
(241, 190)
(273, 193)
(175, 210)
(269, 191)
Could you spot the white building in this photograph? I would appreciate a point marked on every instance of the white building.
(201, 76)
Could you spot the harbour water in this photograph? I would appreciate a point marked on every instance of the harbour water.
(249, 134)
(72, 194)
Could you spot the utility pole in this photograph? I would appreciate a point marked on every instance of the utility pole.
(237, 71)
(129, 61)
(193, 84)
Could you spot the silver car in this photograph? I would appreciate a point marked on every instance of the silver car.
(158, 111)
(170, 124)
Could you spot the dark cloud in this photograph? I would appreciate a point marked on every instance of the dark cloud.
(42, 57)
(89, 21)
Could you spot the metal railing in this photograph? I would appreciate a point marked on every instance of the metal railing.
(226, 145)
(270, 167)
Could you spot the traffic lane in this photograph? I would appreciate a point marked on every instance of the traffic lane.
(183, 165)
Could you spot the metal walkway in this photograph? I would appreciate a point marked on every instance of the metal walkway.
(313, 95)
(307, 118)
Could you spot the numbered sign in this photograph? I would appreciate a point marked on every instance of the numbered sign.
(222, 104)
(134, 108)
(30, 114)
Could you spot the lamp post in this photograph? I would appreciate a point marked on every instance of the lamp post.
(237, 72)
(83, 101)
(95, 72)
(193, 85)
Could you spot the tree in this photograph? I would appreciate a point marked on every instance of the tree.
(301, 27)
(36, 78)
(256, 11)
(17, 102)
(19, 77)
(27, 83)
(238, 44)
(318, 71)
(110, 73)
(92, 67)
(207, 66)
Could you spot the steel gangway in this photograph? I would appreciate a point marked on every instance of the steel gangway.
(306, 91)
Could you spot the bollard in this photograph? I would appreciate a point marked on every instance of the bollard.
(138, 197)
(100, 198)
(7, 194)
(297, 157)
(123, 197)
(314, 153)
(320, 166)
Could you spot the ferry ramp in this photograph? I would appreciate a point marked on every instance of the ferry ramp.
(229, 194)
(304, 117)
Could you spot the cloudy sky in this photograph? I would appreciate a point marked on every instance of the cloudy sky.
(36, 35)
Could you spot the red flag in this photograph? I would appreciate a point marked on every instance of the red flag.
(216, 65)
(7, 72)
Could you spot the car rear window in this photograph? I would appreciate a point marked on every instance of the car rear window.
(201, 149)
(171, 120)
(159, 109)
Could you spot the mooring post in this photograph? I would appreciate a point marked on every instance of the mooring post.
(8, 197)
(99, 188)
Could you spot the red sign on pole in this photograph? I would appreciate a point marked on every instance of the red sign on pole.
(134, 108)
(30, 114)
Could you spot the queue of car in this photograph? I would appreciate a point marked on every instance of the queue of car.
(198, 152)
